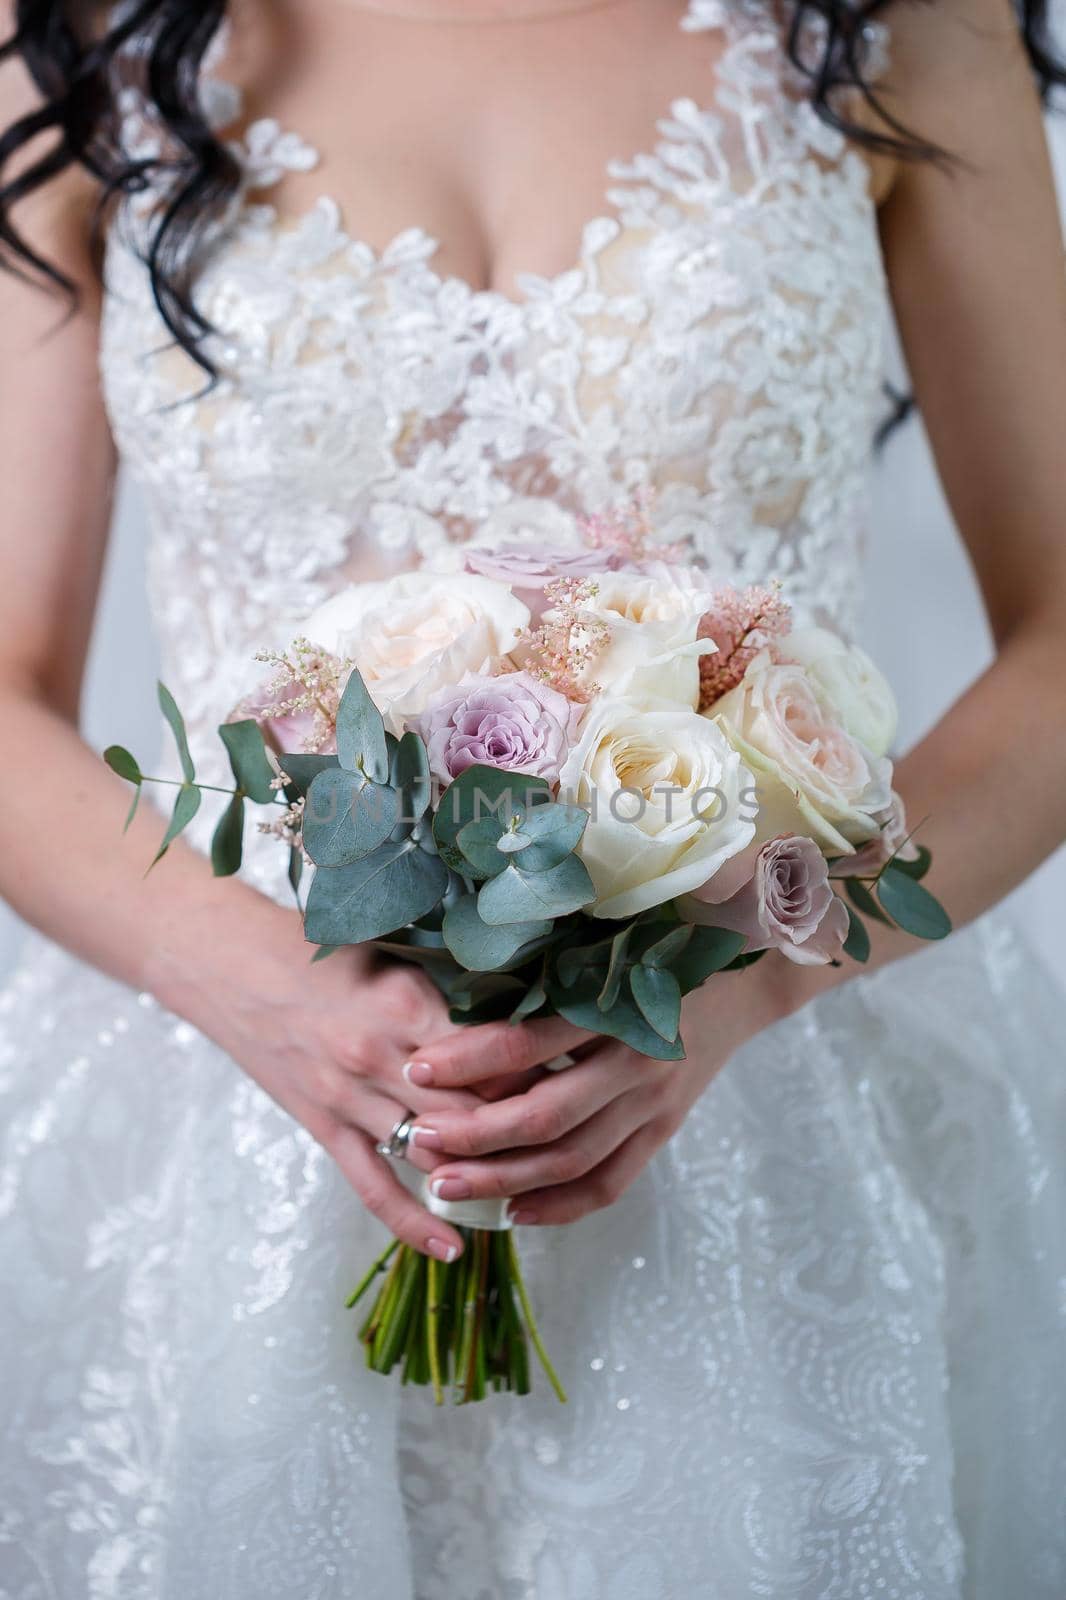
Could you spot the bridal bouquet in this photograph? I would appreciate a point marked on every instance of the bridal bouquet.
(577, 782)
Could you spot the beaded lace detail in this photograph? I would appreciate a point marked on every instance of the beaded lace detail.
(718, 338)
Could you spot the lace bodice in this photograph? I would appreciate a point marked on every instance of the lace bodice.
(719, 339)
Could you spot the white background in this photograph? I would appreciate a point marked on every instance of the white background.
(926, 630)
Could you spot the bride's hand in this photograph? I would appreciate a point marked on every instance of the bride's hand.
(573, 1141)
(329, 1042)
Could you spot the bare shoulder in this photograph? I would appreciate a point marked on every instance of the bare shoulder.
(958, 79)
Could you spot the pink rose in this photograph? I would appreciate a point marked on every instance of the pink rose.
(529, 568)
(891, 841)
(787, 904)
(513, 722)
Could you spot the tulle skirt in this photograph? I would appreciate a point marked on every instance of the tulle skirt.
(817, 1350)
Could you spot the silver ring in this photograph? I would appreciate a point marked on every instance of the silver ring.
(396, 1144)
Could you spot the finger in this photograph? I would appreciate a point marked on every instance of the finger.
(542, 1114)
(599, 1188)
(385, 1196)
(565, 1161)
(490, 1050)
(377, 1115)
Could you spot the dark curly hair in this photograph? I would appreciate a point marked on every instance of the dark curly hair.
(72, 58)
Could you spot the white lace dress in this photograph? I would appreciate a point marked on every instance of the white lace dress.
(817, 1350)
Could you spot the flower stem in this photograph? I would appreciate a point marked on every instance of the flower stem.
(433, 1329)
(531, 1321)
(378, 1266)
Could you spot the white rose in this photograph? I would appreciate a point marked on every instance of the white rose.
(854, 686)
(811, 776)
(651, 653)
(415, 634)
(664, 791)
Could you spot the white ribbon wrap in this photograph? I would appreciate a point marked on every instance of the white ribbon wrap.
(488, 1214)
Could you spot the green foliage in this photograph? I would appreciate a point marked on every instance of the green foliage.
(186, 806)
(346, 817)
(482, 794)
(227, 843)
(125, 765)
(658, 997)
(911, 906)
(857, 943)
(176, 721)
(248, 760)
(480, 947)
(302, 770)
(863, 900)
(520, 896)
(409, 775)
(361, 744)
(396, 884)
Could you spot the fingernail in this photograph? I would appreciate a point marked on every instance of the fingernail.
(521, 1215)
(419, 1072)
(451, 1188)
(442, 1249)
(428, 1138)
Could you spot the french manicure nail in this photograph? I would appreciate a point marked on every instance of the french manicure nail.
(451, 1188)
(428, 1138)
(521, 1215)
(442, 1249)
(418, 1072)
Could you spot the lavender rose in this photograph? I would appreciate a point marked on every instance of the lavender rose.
(530, 568)
(512, 722)
(787, 904)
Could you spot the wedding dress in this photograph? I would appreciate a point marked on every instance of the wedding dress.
(816, 1352)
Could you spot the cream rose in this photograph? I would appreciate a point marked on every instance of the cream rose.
(811, 776)
(413, 635)
(664, 791)
(648, 620)
(856, 688)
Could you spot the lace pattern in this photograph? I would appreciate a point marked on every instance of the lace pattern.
(719, 339)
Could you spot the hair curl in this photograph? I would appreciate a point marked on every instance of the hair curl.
(77, 68)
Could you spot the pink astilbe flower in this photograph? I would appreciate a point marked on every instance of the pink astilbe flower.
(297, 709)
(741, 622)
(560, 650)
(625, 533)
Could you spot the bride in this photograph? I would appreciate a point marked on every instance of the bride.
(375, 275)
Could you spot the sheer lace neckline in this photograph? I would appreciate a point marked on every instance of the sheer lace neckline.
(266, 151)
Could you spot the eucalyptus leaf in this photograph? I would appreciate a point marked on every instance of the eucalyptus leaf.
(863, 900)
(517, 896)
(667, 949)
(588, 963)
(120, 761)
(616, 969)
(186, 805)
(394, 886)
(857, 943)
(482, 948)
(227, 842)
(709, 950)
(248, 759)
(534, 1000)
(409, 773)
(296, 872)
(168, 706)
(345, 817)
(658, 997)
(361, 745)
(911, 906)
(482, 792)
(554, 832)
(481, 845)
(623, 1021)
(303, 768)
(916, 868)
(324, 951)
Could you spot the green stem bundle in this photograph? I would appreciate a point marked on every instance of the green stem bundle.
(465, 1325)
